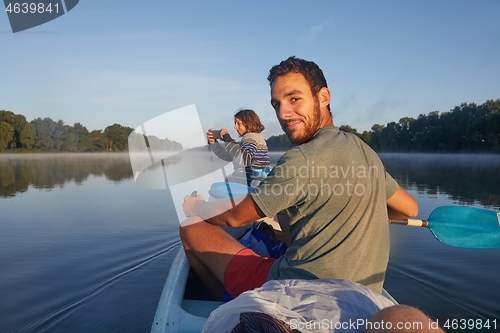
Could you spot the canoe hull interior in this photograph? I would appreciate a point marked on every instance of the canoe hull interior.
(178, 315)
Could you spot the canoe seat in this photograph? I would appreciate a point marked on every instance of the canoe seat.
(200, 308)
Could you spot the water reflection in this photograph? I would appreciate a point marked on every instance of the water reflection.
(466, 179)
(45, 171)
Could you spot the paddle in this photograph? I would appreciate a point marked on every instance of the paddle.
(460, 226)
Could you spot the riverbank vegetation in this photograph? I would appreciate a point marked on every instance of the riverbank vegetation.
(47, 135)
(467, 128)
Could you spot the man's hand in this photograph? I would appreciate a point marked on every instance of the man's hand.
(189, 203)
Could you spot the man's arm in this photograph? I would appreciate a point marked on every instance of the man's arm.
(222, 212)
(284, 224)
(401, 205)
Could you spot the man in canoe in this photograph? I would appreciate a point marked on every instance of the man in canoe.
(331, 192)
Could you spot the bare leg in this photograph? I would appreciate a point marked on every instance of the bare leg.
(214, 287)
(209, 250)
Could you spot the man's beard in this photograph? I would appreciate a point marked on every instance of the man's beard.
(310, 126)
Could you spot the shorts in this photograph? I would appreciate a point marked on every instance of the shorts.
(246, 271)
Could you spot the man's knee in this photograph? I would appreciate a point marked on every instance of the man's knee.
(187, 228)
(192, 220)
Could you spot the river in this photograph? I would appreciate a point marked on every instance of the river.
(84, 249)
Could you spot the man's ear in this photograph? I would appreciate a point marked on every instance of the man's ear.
(324, 97)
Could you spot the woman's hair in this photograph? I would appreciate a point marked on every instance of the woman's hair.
(251, 120)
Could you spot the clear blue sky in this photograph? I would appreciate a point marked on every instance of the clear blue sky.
(125, 62)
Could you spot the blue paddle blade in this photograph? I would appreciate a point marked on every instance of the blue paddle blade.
(466, 227)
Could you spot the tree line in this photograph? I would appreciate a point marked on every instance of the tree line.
(47, 135)
(468, 128)
(465, 128)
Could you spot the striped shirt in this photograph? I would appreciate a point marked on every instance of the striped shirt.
(248, 155)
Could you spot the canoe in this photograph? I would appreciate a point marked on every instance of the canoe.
(175, 314)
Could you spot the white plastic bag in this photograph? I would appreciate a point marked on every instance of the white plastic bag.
(325, 305)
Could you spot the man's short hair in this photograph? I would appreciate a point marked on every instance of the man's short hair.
(313, 74)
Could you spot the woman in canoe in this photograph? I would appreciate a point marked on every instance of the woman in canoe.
(250, 156)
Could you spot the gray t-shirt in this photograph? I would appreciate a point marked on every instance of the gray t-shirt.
(333, 189)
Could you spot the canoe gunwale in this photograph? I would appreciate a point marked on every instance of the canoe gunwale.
(170, 316)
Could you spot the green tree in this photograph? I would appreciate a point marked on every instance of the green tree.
(98, 140)
(27, 136)
(375, 137)
(279, 143)
(117, 137)
(6, 135)
(6, 116)
(365, 136)
(58, 130)
(493, 130)
(43, 139)
(70, 141)
(348, 129)
(429, 132)
(404, 135)
(18, 122)
(85, 143)
(84, 140)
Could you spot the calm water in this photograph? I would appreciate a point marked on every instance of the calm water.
(83, 249)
